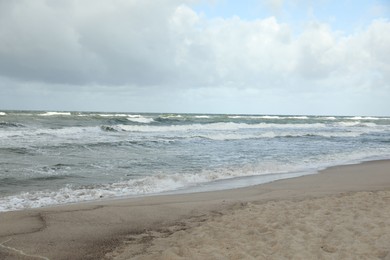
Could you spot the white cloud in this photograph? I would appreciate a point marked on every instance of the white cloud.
(167, 46)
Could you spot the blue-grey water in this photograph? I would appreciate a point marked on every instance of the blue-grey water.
(49, 158)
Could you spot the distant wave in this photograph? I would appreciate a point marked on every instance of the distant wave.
(367, 118)
(236, 126)
(297, 117)
(56, 114)
(113, 115)
(271, 134)
(213, 126)
(267, 117)
(3, 114)
(170, 116)
(202, 116)
(217, 131)
(355, 123)
(140, 119)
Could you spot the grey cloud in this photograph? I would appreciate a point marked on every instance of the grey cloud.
(79, 42)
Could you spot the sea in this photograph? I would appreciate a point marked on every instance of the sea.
(51, 158)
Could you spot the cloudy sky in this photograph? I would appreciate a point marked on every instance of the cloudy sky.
(218, 56)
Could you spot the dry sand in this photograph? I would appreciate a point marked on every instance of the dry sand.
(350, 226)
(342, 213)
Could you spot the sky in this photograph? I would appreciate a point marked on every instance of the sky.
(305, 57)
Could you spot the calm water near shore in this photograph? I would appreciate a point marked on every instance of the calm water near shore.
(49, 158)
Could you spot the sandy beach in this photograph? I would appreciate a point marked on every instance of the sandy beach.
(341, 213)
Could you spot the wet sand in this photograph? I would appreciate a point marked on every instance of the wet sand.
(343, 212)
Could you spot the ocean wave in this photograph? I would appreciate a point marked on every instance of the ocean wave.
(3, 114)
(10, 124)
(367, 118)
(149, 132)
(109, 128)
(170, 116)
(356, 124)
(140, 119)
(17, 150)
(268, 117)
(229, 126)
(56, 114)
(48, 135)
(94, 115)
(153, 184)
(73, 131)
(271, 134)
(113, 115)
(202, 116)
(297, 117)
(246, 117)
(140, 186)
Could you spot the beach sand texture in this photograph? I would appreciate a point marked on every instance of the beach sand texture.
(347, 226)
(341, 213)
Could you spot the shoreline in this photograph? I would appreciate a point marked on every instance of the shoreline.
(91, 230)
(240, 182)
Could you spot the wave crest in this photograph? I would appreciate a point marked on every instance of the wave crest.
(56, 114)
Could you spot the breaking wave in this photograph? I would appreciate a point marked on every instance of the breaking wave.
(140, 119)
(106, 154)
(56, 114)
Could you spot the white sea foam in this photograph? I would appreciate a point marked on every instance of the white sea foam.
(366, 118)
(202, 116)
(356, 123)
(22, 137)
(56, 114)
(170, 182)
(142, 186)
(113, 115)
(213, 131)
(2, 114)
(297, 117)
(140, 119)
(170, 116)
(270, 117)
(122, 148)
